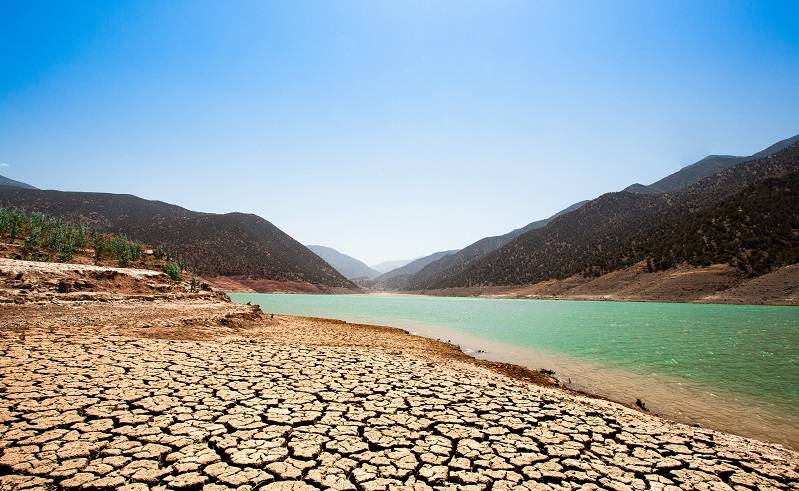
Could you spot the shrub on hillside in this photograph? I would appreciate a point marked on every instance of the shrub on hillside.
(173, 271)
(46, 238)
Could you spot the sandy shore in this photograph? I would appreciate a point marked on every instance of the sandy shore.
(720, 283)
(189, 390)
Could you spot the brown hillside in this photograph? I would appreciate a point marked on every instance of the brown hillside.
(617, 230)
(233, 244)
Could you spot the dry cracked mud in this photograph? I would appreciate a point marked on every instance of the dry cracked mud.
(189, 393)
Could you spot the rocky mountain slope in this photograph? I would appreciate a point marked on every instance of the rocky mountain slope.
(712, 220)
(706, 167)
(237, 245)
(5, 181)
(348, 266)
(397, 279)
(441, 271)
(452, 264)
(718, 283)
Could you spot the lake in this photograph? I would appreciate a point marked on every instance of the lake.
(730, 367)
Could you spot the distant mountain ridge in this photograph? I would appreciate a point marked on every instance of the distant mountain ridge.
(739, 210)
(387, 266)
(231, 245)
(5, 181)
(348, 266)
(620, 229)
(451, 264)
(705, 167)
(444, 272)
(396, 279)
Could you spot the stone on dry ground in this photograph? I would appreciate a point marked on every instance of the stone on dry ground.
(170, 395)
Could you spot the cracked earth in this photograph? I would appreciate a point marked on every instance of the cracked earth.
(197, 392)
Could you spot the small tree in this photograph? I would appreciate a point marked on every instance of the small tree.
(29, 246)
(124, 258)
(173, 271)
(65, 252)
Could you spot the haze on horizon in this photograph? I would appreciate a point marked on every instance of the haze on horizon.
(387, 130)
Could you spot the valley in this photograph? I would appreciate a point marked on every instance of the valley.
(399, 246)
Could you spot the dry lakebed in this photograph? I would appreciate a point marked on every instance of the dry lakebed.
(117, 379)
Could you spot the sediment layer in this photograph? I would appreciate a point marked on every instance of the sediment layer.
(719, 283)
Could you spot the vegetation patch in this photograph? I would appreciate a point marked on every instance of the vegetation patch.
(172, 270)
(35, 236)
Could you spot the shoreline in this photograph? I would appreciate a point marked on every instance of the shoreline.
(181, 390)
(456, 352)
(539, 376)
(512, 370)
(717, 284)
(598, 298)
(690, 400)
(501, 293)
(496, 296)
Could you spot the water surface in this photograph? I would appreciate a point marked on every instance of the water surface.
(713, 364)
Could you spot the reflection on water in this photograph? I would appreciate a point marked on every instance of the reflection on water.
(729, 367)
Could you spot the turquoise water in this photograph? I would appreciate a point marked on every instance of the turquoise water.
(747, 353)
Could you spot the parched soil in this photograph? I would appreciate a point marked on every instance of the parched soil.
(719, 283)
(183, 391)
(32, 281)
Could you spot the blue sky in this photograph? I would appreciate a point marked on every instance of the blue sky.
(387, 129)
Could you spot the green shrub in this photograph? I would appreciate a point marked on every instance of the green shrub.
(66, 252)
(49, 238)
(135, 251)
(29, 246)
(173, 271)
(101, 247)
(10, 223)
(124, 258)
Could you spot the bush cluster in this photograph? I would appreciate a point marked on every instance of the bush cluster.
(172, 269)
(116, 247)
(46, 238)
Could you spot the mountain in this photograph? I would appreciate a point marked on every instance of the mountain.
(708, 166)
(452, 264)
(235, 245)
(639, 188)
(754, 229)
(777, 147)
(387, 266)
(4, 181)
(348, 266)
(396, 279)
(692, 225)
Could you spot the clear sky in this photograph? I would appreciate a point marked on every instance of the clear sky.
(387, 129)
